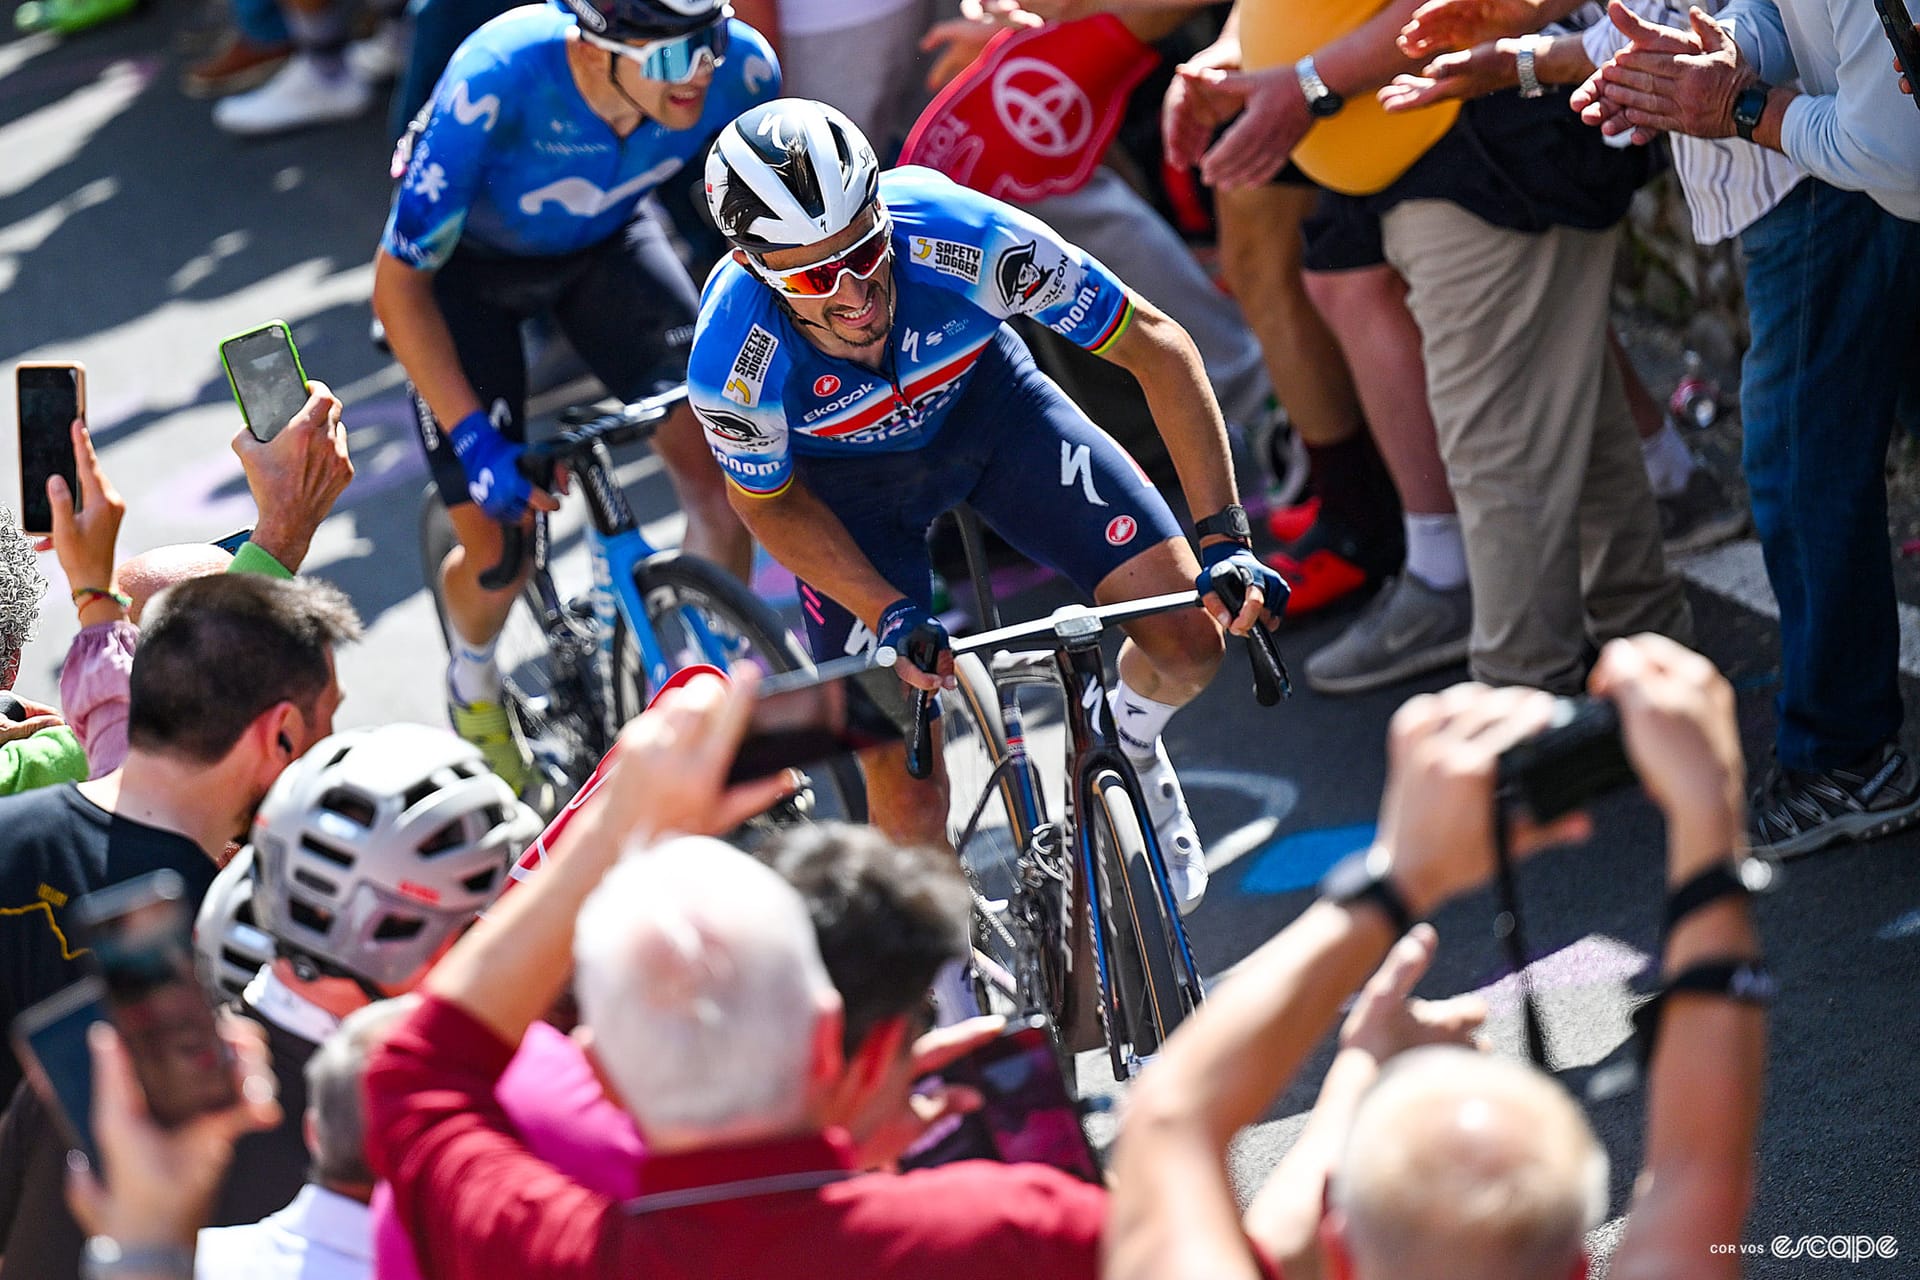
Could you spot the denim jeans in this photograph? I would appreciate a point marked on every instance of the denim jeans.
(260, 21)
(1833, 297)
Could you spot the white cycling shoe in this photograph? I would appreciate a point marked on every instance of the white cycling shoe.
(1173, 823)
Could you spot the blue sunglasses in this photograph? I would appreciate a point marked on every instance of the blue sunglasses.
(677, 59)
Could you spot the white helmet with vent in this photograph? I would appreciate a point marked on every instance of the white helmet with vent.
(788, 173)
(229, 946)
(378, 845)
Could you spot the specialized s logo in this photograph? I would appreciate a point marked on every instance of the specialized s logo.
(466, 110)
(1018, 276)
(749, 373)
(948, 258)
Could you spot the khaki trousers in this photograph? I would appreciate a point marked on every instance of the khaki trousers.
(1562, 535)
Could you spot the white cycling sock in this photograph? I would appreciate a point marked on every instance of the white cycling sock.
(473, 675)
(1669, 462)
(1436, 553)
(1140, 721)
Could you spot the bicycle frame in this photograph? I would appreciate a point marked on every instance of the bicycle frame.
(1078, 671)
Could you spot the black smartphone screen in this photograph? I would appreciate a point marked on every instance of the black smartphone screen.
(1898, 24)
(1028, 1115)
(797, 723)
(52, 1037)
(142, 947)
(267, 380)
(49, 398)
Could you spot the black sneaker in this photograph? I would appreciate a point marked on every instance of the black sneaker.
(1796, 813)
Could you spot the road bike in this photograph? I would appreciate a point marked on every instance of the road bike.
(1073, 912)
(579, 667)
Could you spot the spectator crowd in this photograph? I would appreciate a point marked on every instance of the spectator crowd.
(674, 1050)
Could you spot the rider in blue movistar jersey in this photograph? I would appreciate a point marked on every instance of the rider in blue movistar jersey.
(856, 377)
(525, 193)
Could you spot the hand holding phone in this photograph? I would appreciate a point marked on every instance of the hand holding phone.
(1027, 1114)
(802, 720)
(50, 1039)
(266, 376)
(140, 936)
(1898, 24)
(50, 397)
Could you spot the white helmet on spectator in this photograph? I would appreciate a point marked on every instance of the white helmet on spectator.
(229, 946)
(378, 845)
(787, 173)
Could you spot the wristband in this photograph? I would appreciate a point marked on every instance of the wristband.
(1360, 877)
(1530, 86)
(1744, 980)
(84, 596)
(1746, 877)
(104, 1259)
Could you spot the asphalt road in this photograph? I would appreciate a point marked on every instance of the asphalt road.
(133, 236)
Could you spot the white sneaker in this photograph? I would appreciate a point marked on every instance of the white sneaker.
(300, 94)
(382, 55)
(1179, 841)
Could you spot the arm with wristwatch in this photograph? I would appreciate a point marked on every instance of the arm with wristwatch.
(1435, 842)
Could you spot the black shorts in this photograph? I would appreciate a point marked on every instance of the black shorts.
(1342, 234)
(626, 304)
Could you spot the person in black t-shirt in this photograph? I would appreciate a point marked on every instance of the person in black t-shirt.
(233, 680)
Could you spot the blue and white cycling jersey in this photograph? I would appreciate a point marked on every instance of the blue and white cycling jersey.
(962, 264)
(514, 160)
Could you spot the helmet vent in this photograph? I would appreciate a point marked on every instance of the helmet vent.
(306, 879)
(421, 790)
(482, 881)
(308, 916)
(338, 857)
(350, 805)
(398, 929)
(449, 837)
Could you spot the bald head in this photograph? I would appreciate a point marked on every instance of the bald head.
(151, 572)
(1465, 1165)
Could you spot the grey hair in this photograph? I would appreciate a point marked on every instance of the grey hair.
(336, 1117)
(21, 587)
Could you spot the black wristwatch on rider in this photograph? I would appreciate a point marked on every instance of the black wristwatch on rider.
(1230, 522)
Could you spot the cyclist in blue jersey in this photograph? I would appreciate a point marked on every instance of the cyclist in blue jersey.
(856, 377)
(525, 193)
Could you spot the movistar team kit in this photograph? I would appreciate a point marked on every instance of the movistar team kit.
(523, 201)
(957, 413)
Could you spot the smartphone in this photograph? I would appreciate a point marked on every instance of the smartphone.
(1898, 24)
(268, 383)
(1029, 1116)
(806, 718)
(50, 396)
(50, 1039)
(141, 938)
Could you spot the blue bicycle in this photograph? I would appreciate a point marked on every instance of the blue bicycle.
(577, 669)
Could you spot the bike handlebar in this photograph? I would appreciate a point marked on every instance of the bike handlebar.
(539, 461)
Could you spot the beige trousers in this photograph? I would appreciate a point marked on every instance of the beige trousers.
(1563, 539)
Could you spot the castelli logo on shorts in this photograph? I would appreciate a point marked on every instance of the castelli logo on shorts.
(825, 385)
(1120, 530)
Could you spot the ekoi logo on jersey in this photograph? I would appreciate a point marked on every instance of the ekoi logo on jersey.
(868, 414)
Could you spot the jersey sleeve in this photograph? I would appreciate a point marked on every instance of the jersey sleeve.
(1018, 265)
(448, 160)
(733, 381)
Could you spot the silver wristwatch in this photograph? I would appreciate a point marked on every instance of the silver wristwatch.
(105, 1259)
(1530, 86)
(1322, 101)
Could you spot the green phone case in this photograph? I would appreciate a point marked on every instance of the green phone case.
(286, 331)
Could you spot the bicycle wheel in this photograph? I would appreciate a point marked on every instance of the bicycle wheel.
(1016, 884)
(1140, 946)
(545, 665)
(700, 613)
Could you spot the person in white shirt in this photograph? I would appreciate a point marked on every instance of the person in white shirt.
(326, 1232)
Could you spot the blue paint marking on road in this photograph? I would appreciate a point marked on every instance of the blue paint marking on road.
(1907, 926)
(1298, 860)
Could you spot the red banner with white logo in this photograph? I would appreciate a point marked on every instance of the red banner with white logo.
(1033, 114)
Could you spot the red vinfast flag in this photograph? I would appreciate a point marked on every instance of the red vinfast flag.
(1033, 114)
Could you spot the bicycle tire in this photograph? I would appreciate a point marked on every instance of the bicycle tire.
(561, 721)
(1140, 945)
(974, 750)
(674, 582)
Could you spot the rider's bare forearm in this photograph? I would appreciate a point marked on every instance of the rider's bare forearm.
(800, 532)
(417, 332)
(1158, 352)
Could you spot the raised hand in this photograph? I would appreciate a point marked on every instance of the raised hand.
(1440, 25)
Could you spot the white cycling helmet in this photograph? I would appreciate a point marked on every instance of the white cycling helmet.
(229, 946)
(378, 845)
(787, 173)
